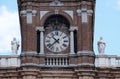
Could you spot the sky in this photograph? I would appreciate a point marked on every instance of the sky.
(107, 25)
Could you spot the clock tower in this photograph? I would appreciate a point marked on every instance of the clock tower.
(57, 39)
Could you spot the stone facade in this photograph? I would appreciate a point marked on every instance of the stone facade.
(74, 18)
(106, 67)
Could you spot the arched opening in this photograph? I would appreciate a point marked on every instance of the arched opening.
(56, 34)
(56, 22)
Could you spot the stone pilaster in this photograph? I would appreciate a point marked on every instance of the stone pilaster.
(29, 14)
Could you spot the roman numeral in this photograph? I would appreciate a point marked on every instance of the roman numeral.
(64, 45)
(56, 33)
(65, 40)
(52, 34)
(49, 45)
(64, 37)
(47, 40)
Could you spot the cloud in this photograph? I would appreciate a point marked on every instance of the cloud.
(111, 4)
(118, 5)
(9, 28)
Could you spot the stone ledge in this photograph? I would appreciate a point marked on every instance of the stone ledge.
(85, 53)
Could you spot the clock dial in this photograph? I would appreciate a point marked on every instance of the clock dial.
(56, 41)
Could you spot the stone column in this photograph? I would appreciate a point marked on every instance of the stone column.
(72, 39)
(71, 42)
(41, 40)
(41, 29)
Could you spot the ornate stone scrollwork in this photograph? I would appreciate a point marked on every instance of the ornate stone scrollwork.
(56, 3)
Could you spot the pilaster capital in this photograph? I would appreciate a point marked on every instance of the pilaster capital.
(72, 28)
(84, 13)
(34, 12)
(84, 10)
(40, 28)
(24, 12)
(90, 12)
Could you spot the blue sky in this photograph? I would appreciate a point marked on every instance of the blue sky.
(107, 25)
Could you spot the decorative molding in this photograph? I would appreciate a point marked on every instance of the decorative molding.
(29, 13)
(29, 53)
(24, 12)
(29, 64)
(86, 53)
(42, 13)
(85, 64)
(100, 61)
(84, 13)
(58, 55)
(82, 64)
(56, 3)
(70, 65)
(70, 13)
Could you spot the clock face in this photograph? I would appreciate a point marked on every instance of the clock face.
(56, 41)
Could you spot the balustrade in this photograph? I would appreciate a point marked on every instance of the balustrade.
(57, 61)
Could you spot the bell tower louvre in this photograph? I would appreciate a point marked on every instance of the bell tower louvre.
(57, 38)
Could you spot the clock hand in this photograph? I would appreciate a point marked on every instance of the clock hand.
(54, 38)
(52, 44)
(57, 40)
